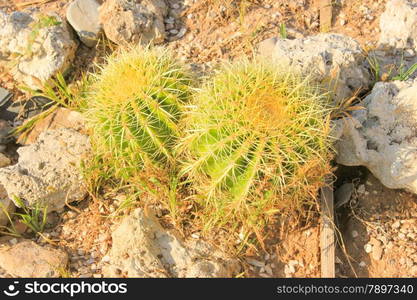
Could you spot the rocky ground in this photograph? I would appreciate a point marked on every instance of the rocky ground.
(364, 53)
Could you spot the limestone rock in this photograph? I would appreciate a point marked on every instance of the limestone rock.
(48, 170)
(398, 25)
(27, 259)
(383, 137)
(142, 248)
(128, 22)
(35, 47)
(333, 59)
(84, 18)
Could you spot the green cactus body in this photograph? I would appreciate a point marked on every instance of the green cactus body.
(134, 109)
(257, 137)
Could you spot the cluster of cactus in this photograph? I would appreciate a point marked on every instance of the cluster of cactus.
(254, 140)
(134, 108)
(257, 141)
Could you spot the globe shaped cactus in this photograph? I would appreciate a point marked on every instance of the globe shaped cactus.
(134, 108)
(257, 141)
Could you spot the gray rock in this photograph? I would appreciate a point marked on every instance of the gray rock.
(27, 259)
(48, 170)
(142, 248)
(132, 22)
(333, 59)
(382, 137)
(398, 25)
(35, 47)
(84, 18)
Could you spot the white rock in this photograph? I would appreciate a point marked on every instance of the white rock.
(255, 263)
(84, 18)
(355, 234)
(289, 269)
(333, 59)
(37, 54)
(142, 248)
(132, 22)
(182, 32)
(382, 136)
(368, 248)
(398, 25)
(48, 170)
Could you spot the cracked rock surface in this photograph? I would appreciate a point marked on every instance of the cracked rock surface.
(48, 170)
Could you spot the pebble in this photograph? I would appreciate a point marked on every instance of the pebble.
(368, 248)
(175, 6)
(255, 262)
(289, 269)
(362, 264)
(408, 53)
(105, 259)
(173, 31)
(355, 234)
(396, 225)
(170, 20)
(182, 32)
(293, 262)
(268, 270)
(276, 15)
